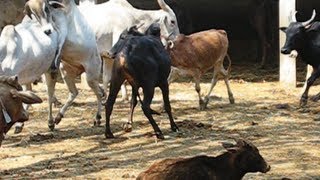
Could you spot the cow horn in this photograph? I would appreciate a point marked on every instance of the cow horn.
(164, 6)
(26, 97)
(292, 17)
(306, 23)
(27, 10)
(171, 44)
(140, 25)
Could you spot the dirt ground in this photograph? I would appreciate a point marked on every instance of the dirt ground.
(288, 137)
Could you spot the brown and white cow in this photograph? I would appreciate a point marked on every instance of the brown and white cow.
(196, 54)
(11, 99)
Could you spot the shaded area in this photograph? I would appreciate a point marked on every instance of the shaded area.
(287, 136)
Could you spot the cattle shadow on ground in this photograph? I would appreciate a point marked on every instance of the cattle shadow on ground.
(99, 158)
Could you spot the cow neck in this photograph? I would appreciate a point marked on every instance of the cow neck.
(307, 51)
(226, 165)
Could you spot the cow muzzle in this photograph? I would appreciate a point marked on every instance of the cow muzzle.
(285, 51)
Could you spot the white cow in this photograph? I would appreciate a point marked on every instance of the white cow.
(79, 54)
(30, 48)
(109, 19)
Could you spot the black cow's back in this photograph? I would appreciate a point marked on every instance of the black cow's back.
(145, 55)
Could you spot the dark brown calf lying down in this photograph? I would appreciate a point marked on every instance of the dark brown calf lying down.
(239, 159)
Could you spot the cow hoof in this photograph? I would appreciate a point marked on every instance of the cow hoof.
(109, 135)
(175, 128)
(127, 127)
(51, 126)
(303, 103)
(97, 121)
(18, 129)
(203, 104)
(159, 135)
(57, 120)
(231, 101)
(315, 98)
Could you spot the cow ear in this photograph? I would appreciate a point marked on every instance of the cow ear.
(27, 11)
(283, 29)
(26, 97)
(56, 4)
(230, 147)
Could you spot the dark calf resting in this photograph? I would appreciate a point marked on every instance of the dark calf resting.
(144, 63)
(232, 165)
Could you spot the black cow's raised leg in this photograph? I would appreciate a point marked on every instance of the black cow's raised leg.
(148, 93)
(315, 74)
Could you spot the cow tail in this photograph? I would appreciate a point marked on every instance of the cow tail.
(229, 63)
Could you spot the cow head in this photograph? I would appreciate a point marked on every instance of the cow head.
(246, 157)
(168, 22)
(154, 30)
(295, 34)
(42, 11)
(11, 106)
(117, 47)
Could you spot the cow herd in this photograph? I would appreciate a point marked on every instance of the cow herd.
(141, 47)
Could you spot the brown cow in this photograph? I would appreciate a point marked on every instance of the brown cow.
(197, 53)
(240, 159)
(11, 99)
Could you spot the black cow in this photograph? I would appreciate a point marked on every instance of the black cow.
(303, 41)
(144, 63)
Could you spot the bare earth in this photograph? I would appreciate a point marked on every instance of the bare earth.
(264, 113)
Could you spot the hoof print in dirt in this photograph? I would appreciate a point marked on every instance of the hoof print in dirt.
(190, 124)
(282, 106)
(41, 137)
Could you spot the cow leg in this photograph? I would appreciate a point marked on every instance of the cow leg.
(148, 92)
(165, 95)
(115, 86)
(198, 89)
(214, 81)
(225, 75)
(73, 92)
(128, 126)
(50, 83)
(309, 72)
(93, 82)
(315, 74)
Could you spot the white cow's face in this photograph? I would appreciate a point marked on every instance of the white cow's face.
(41, 10)
(169, 26)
